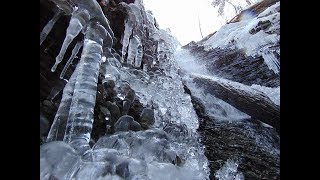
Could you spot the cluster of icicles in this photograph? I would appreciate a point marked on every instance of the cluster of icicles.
(74, 118)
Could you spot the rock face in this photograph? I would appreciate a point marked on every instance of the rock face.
(245, 51)
(235, 65)
(238, 141)
(234, 60)
(126, 123)
(256, 105)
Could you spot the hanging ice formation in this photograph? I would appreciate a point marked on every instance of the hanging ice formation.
(46, 30)
(73, 55)
(164, 147)
(74, 118)
(79, 19)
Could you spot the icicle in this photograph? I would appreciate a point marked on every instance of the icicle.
(132, 50)
(145, 67)
(73, 55)
(139, 54)
(125, 40)
(78, 20)
(66, 6)
(80, 120)
(95, 12)
(136, 11)
(59, 85)
(46, 30)
(57, 129)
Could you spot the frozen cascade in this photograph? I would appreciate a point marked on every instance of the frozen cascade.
(75, 51)
(46, 30)
(78, 20)
(169, 149)
(80, 118)
(57, 129)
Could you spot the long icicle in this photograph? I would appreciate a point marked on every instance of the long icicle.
(57, 129)
(80, 120)
(73, 55)
(46, 30)
(78, 20)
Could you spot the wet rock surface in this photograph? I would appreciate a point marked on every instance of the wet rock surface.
(235, 65)
(238, 140)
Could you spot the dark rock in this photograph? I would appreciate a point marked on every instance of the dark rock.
(114, 109)
(147, 118)
(262, 25)
(256, 105)
(235, 65)
(126, 123)
(130, 95)
(224, 140)
(44, 125)
(123, 170)
(105, 111)
(135, 109)
(126, 107)
(109, 84)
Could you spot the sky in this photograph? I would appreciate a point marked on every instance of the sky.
(181, 17)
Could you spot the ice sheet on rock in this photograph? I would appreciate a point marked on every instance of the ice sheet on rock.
(272, 93)
(241, 35)
(78, 20)
(236, 85)
(58, 160)
(46, 30)
(109, 71)
(229, 171)
(215, 107)
(75, 51)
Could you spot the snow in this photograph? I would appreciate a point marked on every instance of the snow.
(272, 93)
(259, 44)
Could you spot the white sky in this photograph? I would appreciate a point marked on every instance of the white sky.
(181, 17)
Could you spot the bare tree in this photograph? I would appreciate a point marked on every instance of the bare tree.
(222, 4)
(200, 26)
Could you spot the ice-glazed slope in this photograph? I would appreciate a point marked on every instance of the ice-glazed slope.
(257, 36)
(215, 107)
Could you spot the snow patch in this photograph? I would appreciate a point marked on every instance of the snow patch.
(261, 43)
